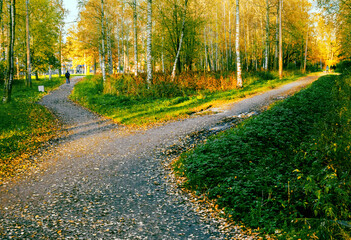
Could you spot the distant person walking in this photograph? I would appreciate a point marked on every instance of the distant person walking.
(67, 75)
(327, 69)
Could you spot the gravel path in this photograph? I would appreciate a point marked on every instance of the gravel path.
(104, 182)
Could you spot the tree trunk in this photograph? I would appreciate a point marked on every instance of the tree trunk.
(180, 41)
(306, 49)
(10, 72)
(95, 66)
(122, 36)
(50, 73)
(225, 51)
(205, 44)
(217, 39)
(163, 55)
(247, 43)
(29, 74)
(230, 38)
(103, 42)
(280, 40)
(119, 51)
(149, 42)
(212, 53)
(109, 53)
(60, 52)
(237, 38)
(276, 56)
(267, 37)
(135, 15)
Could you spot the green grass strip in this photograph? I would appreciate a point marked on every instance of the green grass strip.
(25, 126)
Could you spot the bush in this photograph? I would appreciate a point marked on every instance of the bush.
(344, 67)
(289, 164)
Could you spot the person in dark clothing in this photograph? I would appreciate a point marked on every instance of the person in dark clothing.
(67, 75)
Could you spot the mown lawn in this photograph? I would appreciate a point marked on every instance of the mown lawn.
(286, 171)
(163, 101)
(25, 126)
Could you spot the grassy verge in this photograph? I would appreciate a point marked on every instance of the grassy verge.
(129, 101)
(25, 126)
(286, 171)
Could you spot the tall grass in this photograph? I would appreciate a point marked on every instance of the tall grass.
(129, 100)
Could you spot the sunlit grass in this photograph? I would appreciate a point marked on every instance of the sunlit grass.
(145, 110)
(25, 126)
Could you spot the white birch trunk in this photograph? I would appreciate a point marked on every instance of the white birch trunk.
(11, 59)
(212, 53)
(267, 37)
(230, 38)
(306, 49)
(280, 40)
(217, 39)
(109, 54)
(29, 79)
(276, 56)
(122, 36)
(225, 52)
(163, 55)
(237, 47)
(180, 42)
(103, 42)
(205, 44)
(119, 50)
(149, 42)
(135, 17)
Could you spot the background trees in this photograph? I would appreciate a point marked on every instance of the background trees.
(208, 34)
(112, 35)
(30, 30)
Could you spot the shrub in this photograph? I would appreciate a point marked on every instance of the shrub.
(344, 67)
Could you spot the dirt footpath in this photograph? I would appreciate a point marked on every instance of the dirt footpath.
(104, 182)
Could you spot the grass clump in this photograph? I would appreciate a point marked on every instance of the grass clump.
(287, 169)
(129, 100)
(25, 126)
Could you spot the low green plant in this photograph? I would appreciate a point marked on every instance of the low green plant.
(284, 168)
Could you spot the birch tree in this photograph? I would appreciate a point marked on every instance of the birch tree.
(135, 21)
(267, 37)
(10, 55)
(149, 42)
(280, 40)
(180, 41)
(306, 49)
(103, 42)
(29, 73)
(237, 47)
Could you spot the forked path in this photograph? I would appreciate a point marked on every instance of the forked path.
(102, 182)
